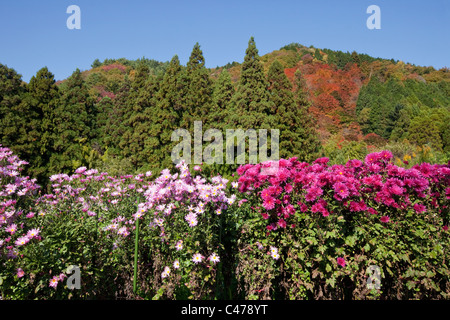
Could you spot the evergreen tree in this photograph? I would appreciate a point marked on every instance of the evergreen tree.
(104, 113)
(401, 126)
(166, 115)
(423, 130)
(355, 58)
(287, 118)
(14, 119)
(43, 98)
(197, 103)
(311, 147)
(132, 108)
(222, 95)
(301, 92)
(139, 139)
(114, 128)
(251, 105)
(71, 120)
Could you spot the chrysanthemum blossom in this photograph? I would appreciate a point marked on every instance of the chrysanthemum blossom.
(80, 170)
(197, 258)
(22, 241)
(179, 245)
(419, 208)
(176, 264)
(214, 258)
(341, 261)
(54, 282)
(20, 273)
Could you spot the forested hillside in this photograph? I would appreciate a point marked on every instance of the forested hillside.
(119, 115)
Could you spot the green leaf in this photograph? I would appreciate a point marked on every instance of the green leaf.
(350, 240)
(410, 284)
(331, 282)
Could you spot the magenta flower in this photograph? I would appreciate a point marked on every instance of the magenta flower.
(419, 208)
(341, 261)
(313, 193)
(341, 191)
(281, 223)
(384, 219)
(269, 203)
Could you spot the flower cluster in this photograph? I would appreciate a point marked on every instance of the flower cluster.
(56, 279)
(370, 186)
(97, 195)
(14, 191)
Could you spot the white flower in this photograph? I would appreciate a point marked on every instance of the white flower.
(214, 258)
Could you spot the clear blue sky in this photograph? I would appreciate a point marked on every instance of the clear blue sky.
(33, 34)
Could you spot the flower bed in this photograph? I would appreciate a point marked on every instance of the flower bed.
(310, 231)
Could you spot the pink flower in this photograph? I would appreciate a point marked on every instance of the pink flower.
(341, 191)
(288, 188)
(384, 219)
(281, 223)
(22, 241)
(313, 193)
(269, 203)
(20, 273)
(372, 158)
(54, 282)
(80, 170)
(179, 245)
(386, 155)
(419, 208)
(341, 261)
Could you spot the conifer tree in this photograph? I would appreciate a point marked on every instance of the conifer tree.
(197, 103)
(71, 120)
(222, 94)
(14, 114)
(293, 123)
(104, 112)
(139, 141)
(132, 108)
(43, 98)
(166, 116)
(311, 147)
(251, 106)
(115, 129)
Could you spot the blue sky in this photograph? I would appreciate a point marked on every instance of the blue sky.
(33, 34)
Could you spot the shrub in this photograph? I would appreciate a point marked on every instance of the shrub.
(312, 231)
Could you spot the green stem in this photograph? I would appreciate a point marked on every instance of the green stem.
(136, 243)
(136, 255)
